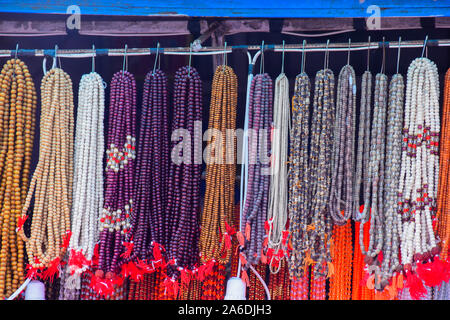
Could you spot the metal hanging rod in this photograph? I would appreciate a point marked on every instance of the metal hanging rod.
(311, 47)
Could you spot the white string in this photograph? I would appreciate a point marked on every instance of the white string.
(278, 200)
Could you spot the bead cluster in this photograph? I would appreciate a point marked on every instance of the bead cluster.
(115, 220)
(116, 159)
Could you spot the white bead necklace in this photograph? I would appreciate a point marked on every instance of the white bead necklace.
(420, 162)
(88, 172)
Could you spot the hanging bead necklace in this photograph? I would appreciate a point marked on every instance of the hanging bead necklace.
(374, 189)
(152, 163)
(419, 174)
(443, 204)
(392, 218)
(363, 146)
(319, 227)
(299, 202)
(17, 122)
(52, 181)
(88, 178)
(183, 194)
(215, 237)
(278, 193)
(119, 184)
(341, 194)
(255, 205)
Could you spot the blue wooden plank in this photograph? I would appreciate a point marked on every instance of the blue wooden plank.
(236, 8)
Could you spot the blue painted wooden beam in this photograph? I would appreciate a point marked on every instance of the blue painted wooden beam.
(236, 8)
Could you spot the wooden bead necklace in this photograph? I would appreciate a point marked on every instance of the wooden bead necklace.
(279, 283)
(443, 202)
(52, 181)
(255, 289)
(215, 237)
(17, 125)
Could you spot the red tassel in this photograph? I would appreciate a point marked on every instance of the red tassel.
(94, 260)
(269, 253)
(66, 239)
(244, 277)
(32, 273)
(415, 285)
(227, 241)
(129, 248)
(77, 261)
(243, 259)
(131, 270)
(209, 267)
(230, 230)
(265, 242)
(267, 226)
(364, 279)
(156, 252)
(21, 222)
(263, 257)
(52, 270)
(103, 287)
(185, 277)
(201, 272)
(284, 237)
(247, 231)
(432, 273)
(240, 238)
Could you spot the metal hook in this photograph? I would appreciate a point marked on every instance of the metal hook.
(384, 57)
(282, 60)
(261, 66)
(424, 45)
(125, 60)
(190, 59)
(348, 52)
(156, 58)
(303, 57)
(55, 57)
(325, 62)
(93, 58)
(17, 50)
(368, 54)
(398, 54)
(225, 55)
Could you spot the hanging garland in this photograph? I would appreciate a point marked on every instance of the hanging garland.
(319, 225)
(143, 251)
(215, 234)
(88, 180)
(363, 145)
(255, 203)
(17, 122)
(278, 193)
(443, 204)
(183, 194)
(51, 183)
(341, 254)
(373, 194)
(392, 218)
(299, 204)
(342, 181)
(418, 179)
(115, 221)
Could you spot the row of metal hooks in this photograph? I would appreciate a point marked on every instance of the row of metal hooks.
(56, 54)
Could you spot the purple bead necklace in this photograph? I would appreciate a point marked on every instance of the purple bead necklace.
(119, 186)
